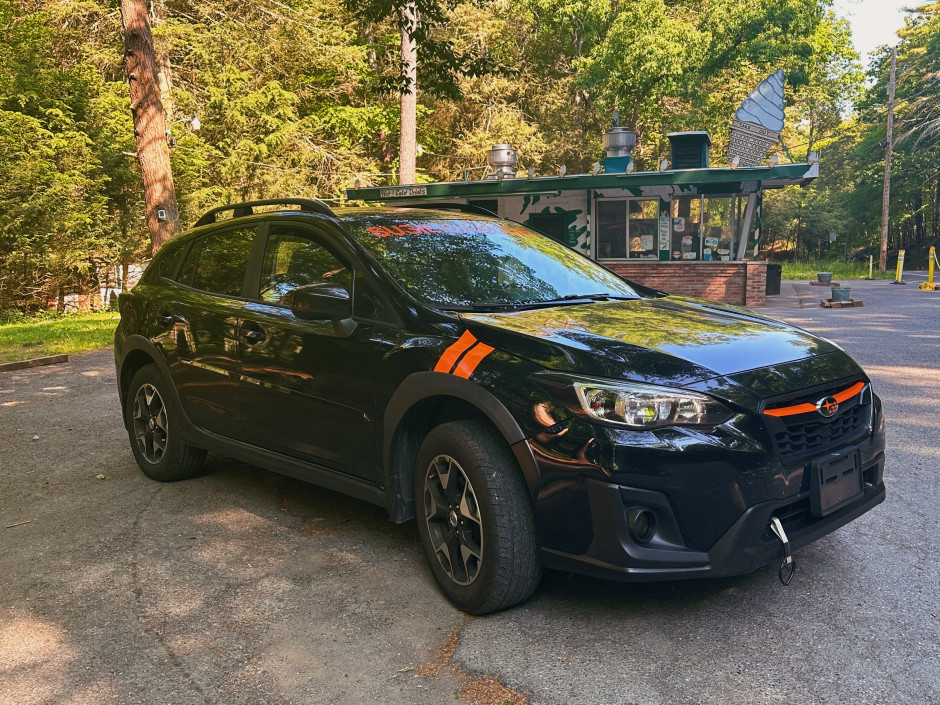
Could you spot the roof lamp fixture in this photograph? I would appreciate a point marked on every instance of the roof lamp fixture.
(630, 165)
(194, 125)
(596, 169)
(357, 184)
(562, 170)
(812, 158)
(530, 171)
(736, 162)
(664, 165)
(774, 159)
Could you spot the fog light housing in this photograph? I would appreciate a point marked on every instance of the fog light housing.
(642, 524)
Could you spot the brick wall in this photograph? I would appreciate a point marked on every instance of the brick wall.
(739, 283)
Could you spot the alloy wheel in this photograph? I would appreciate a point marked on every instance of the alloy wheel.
(150, 427)
(453, 520)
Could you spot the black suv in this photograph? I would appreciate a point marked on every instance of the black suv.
(528, 407)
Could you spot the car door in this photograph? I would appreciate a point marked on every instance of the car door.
(308, 387)
(201, 316)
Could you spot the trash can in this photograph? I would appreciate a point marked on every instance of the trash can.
(841, 293)
(774, 272)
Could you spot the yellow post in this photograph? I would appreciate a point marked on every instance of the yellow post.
(871, 259)
(900, 272)
(931, 260)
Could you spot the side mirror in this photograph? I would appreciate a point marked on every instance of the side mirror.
(318, 302)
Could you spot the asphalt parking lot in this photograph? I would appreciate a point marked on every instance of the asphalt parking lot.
(246, 587)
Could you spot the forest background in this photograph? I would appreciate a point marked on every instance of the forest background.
(300, 97)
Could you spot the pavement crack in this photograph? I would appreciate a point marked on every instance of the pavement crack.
(138, 590)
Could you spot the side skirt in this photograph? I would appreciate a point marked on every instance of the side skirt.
(285, 465)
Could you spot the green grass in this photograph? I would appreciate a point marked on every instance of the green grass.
(840, 270)
(54, 335)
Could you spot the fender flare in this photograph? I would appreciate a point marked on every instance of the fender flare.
(419, 386)
(138, 343)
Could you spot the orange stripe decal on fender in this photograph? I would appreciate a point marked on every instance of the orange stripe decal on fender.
(450, 356)
(471, 360)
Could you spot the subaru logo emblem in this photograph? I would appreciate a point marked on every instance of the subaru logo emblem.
(827, 406)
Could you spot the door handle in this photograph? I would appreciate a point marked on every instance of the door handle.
(252, 334)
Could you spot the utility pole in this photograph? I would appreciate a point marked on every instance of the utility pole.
(409, 96)
(886, 197)
(149, 124)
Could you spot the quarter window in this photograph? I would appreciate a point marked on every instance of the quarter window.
(170, 261)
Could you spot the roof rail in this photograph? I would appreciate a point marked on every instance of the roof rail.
(462, 207)
(240, 210)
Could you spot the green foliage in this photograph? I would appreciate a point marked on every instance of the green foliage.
(840, 270)
(299, 97)
(45, 334)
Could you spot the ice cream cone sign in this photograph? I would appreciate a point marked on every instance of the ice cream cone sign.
(758, 122)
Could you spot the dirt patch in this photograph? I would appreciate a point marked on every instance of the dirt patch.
(317, 527)
(478, 690)
(489, 691)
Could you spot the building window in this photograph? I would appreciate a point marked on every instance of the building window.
(627, 229)
(708, 227)
(686, 228)
(554, 225)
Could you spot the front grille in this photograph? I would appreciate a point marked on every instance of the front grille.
(806, 438)
(801, 436)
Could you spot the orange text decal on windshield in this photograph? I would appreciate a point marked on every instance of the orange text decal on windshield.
(475, 352)
(462, 227)
(402, 229)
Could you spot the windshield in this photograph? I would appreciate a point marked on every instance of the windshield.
(456, 262)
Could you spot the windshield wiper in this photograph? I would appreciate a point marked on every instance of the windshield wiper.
(588, 297)
(495, 306)
(520, 305)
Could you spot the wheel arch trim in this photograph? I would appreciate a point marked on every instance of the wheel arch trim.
(133, 345)
(421, 386)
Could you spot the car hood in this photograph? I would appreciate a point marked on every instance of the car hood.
(672, 340)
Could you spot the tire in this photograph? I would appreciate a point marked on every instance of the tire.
(475, 518)
(153, 426)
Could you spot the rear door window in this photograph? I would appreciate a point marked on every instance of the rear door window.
(219, 262)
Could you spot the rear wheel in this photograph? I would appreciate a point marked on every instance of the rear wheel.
(154, 430)
(475, 518)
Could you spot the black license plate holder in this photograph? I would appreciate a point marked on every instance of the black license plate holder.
(836, 481)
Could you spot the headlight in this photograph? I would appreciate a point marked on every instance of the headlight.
(641, 406)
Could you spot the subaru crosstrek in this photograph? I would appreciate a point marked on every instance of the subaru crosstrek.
(525, 405)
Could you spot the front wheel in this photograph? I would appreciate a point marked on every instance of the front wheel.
(475, 518)
(154, 430)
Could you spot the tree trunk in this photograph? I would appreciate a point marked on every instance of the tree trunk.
(919, 231)
(149, 124)
(165, 80)
(936, 209)
(886, 195)
(409, 96)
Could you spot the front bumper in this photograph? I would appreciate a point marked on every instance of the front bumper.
(743, 548)
(712, 497)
